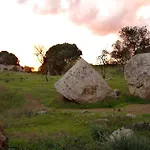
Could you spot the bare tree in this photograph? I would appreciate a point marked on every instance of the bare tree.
(103, 59)
(40, 53)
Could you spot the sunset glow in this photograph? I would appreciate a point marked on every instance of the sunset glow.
(91, 24)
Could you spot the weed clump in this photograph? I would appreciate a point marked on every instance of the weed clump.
(129, 143)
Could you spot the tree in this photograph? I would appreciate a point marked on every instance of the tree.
(59, 58)
(40, 53)
(120, 53)
(103, 59)
(133, 40)
(7, 58)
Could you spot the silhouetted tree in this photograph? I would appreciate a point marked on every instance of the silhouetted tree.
(103, 59)
(59, 58)
(7, 58)
(133, 40)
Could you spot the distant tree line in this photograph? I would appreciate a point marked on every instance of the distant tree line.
(132, 41)
(7, 58)
(28, 69)
(55, 61)
(59, 58)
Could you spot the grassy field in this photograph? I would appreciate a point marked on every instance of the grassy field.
(23, 96)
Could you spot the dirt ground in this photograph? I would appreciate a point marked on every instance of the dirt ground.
(35, 105)
(133, 109)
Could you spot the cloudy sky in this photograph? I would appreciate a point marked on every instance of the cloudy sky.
(91, 24)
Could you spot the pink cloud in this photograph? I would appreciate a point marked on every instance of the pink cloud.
(22, 1)
(50, 7)
(86, 13)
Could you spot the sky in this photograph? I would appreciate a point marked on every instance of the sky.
(92, 25)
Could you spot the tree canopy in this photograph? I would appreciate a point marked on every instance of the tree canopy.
(59, 58)
(133, 40)
(7, 58)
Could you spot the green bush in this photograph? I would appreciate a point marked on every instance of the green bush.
(99, 133)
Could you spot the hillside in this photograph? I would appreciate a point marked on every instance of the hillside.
(34, 116)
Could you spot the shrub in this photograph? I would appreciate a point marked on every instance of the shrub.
(74, 143)
(5, 69)
(38, 144)
(129, 143)
(99, 133)
(15, 69)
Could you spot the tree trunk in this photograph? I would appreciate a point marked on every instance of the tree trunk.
(46, 78)
(103, 71)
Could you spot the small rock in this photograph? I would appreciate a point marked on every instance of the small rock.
(117, 92)
(131, 115)
(92, 114)
(84, 111)
(102, 120)
(110, 78)
(141, 125)
(42, 112)
(65, 113)
(119, 109)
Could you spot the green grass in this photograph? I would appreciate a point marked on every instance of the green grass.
(28, 130)
(49, 123)
(32, 84)
(58, 124)
(45, 92)
(10, 99)
(80, 143)
(43, 130)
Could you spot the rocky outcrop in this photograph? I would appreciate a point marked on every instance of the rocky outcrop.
(137, 74)
(3, 140)
(83, 84)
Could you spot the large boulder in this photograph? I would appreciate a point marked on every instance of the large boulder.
(3, 140)
(83, 84)
(137, 74)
